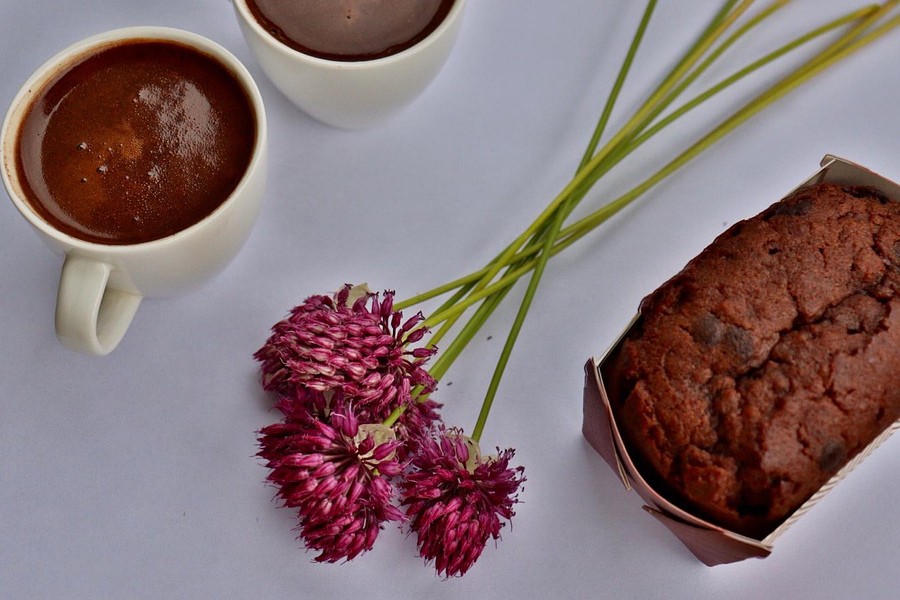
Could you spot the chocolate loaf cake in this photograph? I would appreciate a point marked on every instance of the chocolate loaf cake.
(769, 361)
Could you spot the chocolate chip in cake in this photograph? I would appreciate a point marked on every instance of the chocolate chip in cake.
(793, 208)
(833, 456)
(708, 330)
(740, 341)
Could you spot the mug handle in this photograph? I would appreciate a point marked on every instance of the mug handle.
(90, 316)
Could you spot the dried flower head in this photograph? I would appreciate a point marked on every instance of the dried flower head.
(354, 347)
(456, 499)
(336, 475)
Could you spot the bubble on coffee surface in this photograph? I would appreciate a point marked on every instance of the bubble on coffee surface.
(187, 123)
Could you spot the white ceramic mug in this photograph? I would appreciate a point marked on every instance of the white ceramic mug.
(351, 95)
(102, 285)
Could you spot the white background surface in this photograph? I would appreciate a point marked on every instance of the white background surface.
(133, 476)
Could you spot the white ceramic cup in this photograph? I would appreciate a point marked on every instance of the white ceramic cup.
(102, 285)
(351, 95)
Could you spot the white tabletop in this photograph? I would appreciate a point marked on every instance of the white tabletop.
(133, 475)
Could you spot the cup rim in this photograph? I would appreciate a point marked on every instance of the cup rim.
(60, 60)
(421, 45)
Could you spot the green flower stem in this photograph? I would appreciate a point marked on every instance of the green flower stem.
(502, 260)
(459, 343)
(588, 223)
(706, 40)
(494, 267)
(754, 66)
(630, 147)
(682, 68)
(438, 336)
(442, 365)
(447, 287)
(582, 227)
(720, 16)
(392, 418)
(448, 324)
(617, 86)
(865, 24)
(552, 233)
(475, 323)
(517, 325)
(478, 275)
(636, 142)
(834, 53)
(452, 319)
(713, 56)
(715, 30)
(449, 354)
(798, 77)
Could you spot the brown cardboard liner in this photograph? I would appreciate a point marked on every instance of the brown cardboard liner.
(712, 544)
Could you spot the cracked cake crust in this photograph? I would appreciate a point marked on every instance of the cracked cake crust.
(760, 369)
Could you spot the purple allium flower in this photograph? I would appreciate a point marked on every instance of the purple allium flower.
(336, 475)
(456, 499)
(415, 424)
(357, 351)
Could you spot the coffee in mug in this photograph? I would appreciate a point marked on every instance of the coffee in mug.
(350, 30)
(139, 155)
(134, 142)
(350, 63)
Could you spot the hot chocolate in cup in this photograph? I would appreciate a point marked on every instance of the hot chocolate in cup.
(139, 155)
(357, 76)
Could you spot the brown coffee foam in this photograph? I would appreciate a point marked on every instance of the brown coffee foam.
(710, 543)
